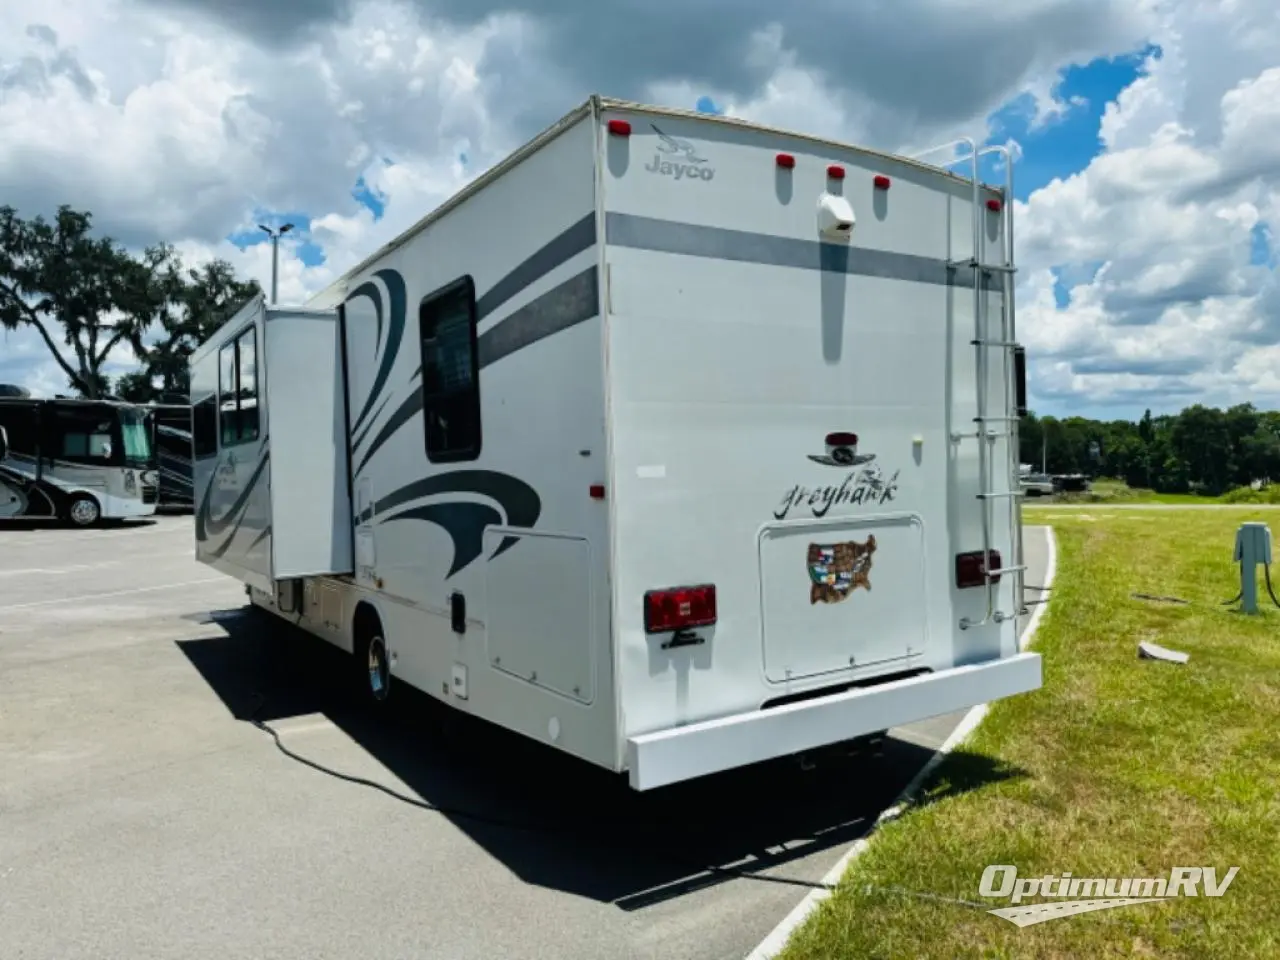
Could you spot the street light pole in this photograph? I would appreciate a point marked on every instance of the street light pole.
(275, 236)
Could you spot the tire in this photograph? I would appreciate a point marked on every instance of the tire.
(83, 511)
(372, 673)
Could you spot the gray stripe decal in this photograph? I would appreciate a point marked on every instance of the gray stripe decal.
(561, 248)
(563, 306)
(669, 236)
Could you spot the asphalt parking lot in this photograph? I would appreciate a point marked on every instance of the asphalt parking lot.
(143, 814)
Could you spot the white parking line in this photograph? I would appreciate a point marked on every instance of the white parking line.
(45, 571)
(113, 593)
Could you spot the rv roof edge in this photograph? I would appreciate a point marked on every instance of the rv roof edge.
(334, 293)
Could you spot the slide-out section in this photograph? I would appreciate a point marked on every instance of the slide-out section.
(310, 491)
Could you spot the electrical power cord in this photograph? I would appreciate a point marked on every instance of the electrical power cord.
(1266, 574)
(515, 825)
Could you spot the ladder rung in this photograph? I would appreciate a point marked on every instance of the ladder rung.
(972, 263)
(998, 494)
(975, 435)
(1005, 344)
(996, 573)
(997, 419)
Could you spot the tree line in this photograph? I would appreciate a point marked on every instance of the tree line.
(1200, 450)
(86, 296)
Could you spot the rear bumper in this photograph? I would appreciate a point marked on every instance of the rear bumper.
(683, 753)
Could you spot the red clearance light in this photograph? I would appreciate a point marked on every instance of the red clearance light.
(882, 182)
(993, 205)
(970, 570)
(835, 172)
(786, 161)
(679, 608)
(620, 128)
(597, 491)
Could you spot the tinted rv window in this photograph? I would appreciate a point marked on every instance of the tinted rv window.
(204, 427)
(238, 418)
(228, 422)
(247, 369)
(21, 424)
(450, 385)
(83, 435)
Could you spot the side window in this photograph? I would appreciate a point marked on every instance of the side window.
(239, 419)
(450, 384)
(247, 394)
(84, 436)
(204, 427)
(20, 423)
(228, 422)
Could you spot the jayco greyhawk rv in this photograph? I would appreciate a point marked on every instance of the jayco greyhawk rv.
(673, 442)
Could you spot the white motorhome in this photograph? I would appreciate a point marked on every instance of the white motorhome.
(674, 442)
(79, 461)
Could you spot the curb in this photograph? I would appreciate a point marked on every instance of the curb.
(773, 944)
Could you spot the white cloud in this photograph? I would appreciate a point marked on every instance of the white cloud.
(1191, 165)
(187, 121)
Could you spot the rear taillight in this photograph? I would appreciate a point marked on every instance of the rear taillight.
(679, 608)
(972, 572)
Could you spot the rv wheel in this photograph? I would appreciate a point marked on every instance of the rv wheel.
(378, 669)
(83, 510)
(372, 665)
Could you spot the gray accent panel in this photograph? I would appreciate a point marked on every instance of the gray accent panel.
(719, 243)
(563, 306)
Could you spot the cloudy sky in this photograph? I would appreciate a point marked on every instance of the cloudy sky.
(1149, 130)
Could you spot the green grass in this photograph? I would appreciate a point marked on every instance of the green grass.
(1105, 491)
(1117, 767)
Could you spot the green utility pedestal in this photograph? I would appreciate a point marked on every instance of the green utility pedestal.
(1253, 547)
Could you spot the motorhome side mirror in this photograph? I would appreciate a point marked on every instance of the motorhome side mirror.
(4, 443)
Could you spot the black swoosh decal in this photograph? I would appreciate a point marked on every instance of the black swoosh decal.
(258, 539)
(355, 443)
(370, 289)
(54, 496)
(395, 338)
(520, 503)
(407, 410)
(208, 527)
(464, 521)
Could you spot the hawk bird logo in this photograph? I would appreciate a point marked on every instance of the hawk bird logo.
(675, 145)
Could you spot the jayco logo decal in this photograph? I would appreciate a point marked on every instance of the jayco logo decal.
(678, 159)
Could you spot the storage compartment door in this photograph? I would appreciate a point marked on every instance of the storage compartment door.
(539, 611)
(306, 419)
(841, 595)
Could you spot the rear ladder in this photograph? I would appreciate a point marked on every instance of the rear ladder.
(990, 488)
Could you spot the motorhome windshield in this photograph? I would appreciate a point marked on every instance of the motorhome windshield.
(135, 439)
